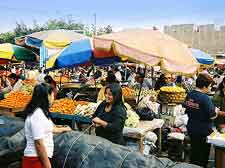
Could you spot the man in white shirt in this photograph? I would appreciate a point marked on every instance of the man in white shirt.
(117, 74)
(41, 77)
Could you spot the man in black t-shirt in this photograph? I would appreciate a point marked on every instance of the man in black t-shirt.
(201, 112)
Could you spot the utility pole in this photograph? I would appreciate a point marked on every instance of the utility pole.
(95, 23)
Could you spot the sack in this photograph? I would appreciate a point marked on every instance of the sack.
(145, 113)
(10, 125)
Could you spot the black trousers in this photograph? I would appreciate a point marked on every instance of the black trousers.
(200, 150)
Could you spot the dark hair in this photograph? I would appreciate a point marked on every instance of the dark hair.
(221, 87)
(179, 79)
(203, 80)
(39, 99)
(13, 76)
(48, 79)
(160, 82)
(111, 78)
(116, 92)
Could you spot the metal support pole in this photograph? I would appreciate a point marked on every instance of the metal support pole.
(139, 93)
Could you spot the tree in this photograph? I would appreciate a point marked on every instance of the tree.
(108, 29)
(104, 30)
(21, 29)
(8, 37)
(61, 24)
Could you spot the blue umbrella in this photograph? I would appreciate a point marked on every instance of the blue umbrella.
(202, 57)
(77, 53)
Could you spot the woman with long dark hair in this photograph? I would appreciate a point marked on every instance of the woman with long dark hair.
(39, 129)
(110, 79)
(110, 116)
(48, 79)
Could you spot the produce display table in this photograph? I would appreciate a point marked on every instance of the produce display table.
(11, 111)
(143, 128)
(74, 119)
(218, 142)
(219, 156)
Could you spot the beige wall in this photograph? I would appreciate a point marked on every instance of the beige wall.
(204, 37)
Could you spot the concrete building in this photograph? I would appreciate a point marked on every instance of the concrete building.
(204, 37)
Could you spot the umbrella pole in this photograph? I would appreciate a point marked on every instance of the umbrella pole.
(60, 80)
(95, 80)
(139, 93)
(152, 76)
(126, 71)
(6, 69)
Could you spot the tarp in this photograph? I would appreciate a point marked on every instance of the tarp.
(148, 47)
(202, 57)
(74, 149)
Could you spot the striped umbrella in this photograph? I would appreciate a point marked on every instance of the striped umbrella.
(11, 52)
(148, 47)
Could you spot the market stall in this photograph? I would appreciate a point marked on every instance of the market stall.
(217, 139)
(15, 102)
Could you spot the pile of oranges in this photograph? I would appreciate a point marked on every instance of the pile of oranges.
(31, 82)
(63, 79)
(16, 99)
(66, 106)
(127, 92)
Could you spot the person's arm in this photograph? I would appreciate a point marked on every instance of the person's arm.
(117, 123)
(7, 89)
(98, 110)
(217, 100)
(17, 85)
(210, 109)
(60, 129)
(42, 153)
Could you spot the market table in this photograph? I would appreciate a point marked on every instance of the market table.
(74, 119)
(143, 128)
(218, 143)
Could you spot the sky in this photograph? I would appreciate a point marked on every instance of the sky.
(118, 13)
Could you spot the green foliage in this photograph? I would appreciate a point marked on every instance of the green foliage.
(7, 37)
(22, 29)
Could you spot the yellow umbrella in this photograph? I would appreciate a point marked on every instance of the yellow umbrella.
(149, 47)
